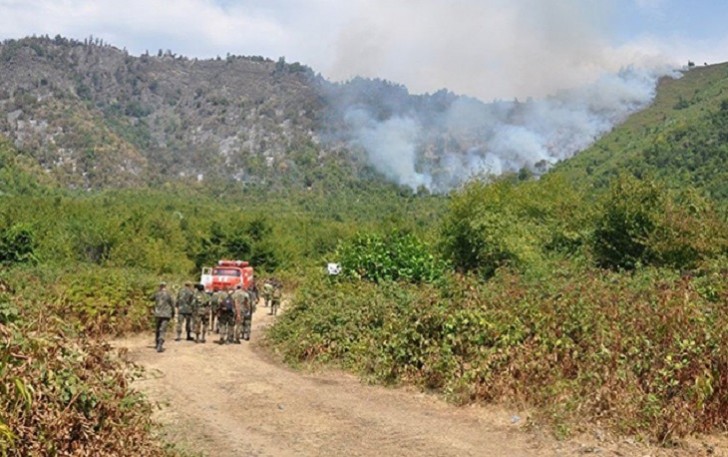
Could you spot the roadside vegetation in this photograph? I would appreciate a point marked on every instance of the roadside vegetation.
(64, 393)
(594, 310)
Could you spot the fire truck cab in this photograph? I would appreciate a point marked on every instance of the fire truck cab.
(227, 274)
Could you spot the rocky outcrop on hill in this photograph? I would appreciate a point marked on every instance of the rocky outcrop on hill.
(95, 116)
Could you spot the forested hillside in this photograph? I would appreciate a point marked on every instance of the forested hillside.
(593, 293)
(93, 116)
(97, 117)
(680, 139)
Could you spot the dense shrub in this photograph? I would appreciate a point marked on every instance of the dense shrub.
(644, 354)
(92, 299)
(105, 301)
(489, 226)
(643, 223)
(392, 257)
(482, 230)
(17, 244)
(239, 238)
(62, 394)
(624, 227)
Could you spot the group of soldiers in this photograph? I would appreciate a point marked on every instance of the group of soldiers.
(228, 312)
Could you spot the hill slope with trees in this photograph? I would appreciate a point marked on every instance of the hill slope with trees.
(680, 138)
(93, 116)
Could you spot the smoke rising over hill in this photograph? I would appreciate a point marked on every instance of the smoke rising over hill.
(558, 52)
(441, 140)
(488, 48)
(253, 119)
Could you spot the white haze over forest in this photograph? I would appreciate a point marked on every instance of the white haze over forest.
(441, 149)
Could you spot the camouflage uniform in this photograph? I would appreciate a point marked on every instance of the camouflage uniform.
(216, 302)
(185, 305)
(227, 320)
(163, 312)
(254, 295)
(242, 325)
(267, 293)
(202, 314)
(275, 302)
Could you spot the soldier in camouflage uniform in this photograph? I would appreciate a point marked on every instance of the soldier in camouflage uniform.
(202, 313)
(227, 317)
(242, 300)
(275, 301)
(163, 312)
(254, 294)
(248, 312)
(267, 293)
(215, 303)
(185, 304)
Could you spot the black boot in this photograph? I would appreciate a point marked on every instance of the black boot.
(159, 346)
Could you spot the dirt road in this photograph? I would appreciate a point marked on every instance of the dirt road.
(233, 400)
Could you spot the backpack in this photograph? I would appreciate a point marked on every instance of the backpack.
(228, 304)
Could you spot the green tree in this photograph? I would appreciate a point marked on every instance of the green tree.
(625, 223)
(397, 256)
(489, 226)
(17, 244)
(643, 223)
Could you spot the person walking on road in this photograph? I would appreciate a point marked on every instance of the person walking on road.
(242, 299)
(275, 302)
(216, 303)
(202, 313)
(163, 313)
(185, 303)
(254, 294)
(228, 316)
(267, 292)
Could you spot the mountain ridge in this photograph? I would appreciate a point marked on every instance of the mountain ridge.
(87, 110)
(92, 116)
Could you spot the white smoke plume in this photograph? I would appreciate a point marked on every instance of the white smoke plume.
(560, 52)
(439, 141)
(390, 145)
(486, 48)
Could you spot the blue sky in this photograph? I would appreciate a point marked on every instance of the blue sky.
(696, 20)
(484, 48)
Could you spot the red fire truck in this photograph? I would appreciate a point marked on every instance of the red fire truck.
(227, 274)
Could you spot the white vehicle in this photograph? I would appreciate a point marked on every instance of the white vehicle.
(206, 277)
